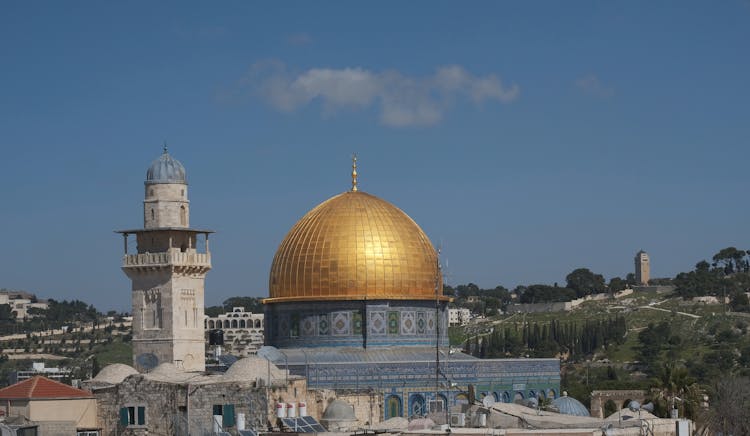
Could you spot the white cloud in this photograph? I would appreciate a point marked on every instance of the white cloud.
(400, 100)
(299, 39)
(591, 85)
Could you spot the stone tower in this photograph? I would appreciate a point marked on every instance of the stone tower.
(642, 268)
(168, 273)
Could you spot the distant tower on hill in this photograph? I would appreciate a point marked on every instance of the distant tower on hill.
(168, 273)
(642, 268)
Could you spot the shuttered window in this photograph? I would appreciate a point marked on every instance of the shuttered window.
(228, 416)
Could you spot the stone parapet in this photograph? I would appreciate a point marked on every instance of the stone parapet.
(154, 260)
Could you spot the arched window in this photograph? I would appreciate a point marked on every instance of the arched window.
(417, 405)
(153, 214)
(392, 407)
(211, 324)
(242, 323)
(183, 216)
(234, 323)
(257, 323)
(226, 324)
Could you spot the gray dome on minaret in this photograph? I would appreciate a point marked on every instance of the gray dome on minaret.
(165, 169)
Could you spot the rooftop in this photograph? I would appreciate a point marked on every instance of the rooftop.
(42, 388)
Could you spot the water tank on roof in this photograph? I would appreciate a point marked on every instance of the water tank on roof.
(216, 337)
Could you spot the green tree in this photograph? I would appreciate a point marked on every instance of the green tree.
(616, 284)
(584, 282)
(730, 259)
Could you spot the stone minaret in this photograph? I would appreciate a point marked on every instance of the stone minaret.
(168, 272)
(642, 268)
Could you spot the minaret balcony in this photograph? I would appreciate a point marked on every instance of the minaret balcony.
(199, 261)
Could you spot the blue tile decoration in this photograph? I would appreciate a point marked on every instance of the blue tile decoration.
(323, 324)
(408, 322)
(340, 324)
(309, 326)
(377, 323)
(393, 321)
(421, 323)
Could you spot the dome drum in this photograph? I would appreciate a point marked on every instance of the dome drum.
(375, 323)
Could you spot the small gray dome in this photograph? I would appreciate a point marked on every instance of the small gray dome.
(339, 410)
(115, 373)
(165, 169)
(570, 406)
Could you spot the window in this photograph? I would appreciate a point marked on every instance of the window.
(87, 433)
(436, 406)
(133, 415)
(226, 411)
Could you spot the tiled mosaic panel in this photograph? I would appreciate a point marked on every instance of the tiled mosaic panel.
(357, 323)
(393, 323)
(324, 325)
(284, 326)
(421, 323)
(341, 324)
(309, 326)
(408, 323)
(377, 325)
(430, 323)
(294, 325)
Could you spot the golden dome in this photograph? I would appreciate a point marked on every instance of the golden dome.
(354, 246)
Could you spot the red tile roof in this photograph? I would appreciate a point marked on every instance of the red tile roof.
(41, 388)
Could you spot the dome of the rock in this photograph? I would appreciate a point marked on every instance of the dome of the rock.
(354, 246)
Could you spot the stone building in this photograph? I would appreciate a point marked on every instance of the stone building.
(642, 268)
(168, 273)
(169, 400)
(55, 408)
(243, 331)
(354, 318)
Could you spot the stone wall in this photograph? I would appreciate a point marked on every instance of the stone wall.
(367, 405)
(562, 306)
(55, 428)
(187, 408)
(166, 205)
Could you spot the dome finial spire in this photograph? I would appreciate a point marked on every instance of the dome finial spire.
(354, 172)
(165, 146)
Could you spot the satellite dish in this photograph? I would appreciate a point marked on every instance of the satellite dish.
(227, 359)
(488, 401)
(648, 407)
(147, 361)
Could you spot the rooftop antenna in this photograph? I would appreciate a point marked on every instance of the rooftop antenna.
(354, 172)
(438, 291)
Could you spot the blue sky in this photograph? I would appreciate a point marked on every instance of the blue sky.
(526, 138)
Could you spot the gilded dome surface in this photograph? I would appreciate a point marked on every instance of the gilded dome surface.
(354, 246)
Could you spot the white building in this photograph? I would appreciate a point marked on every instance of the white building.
(458, 316)
(20, 302)
(38, 368)
(243, 331)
